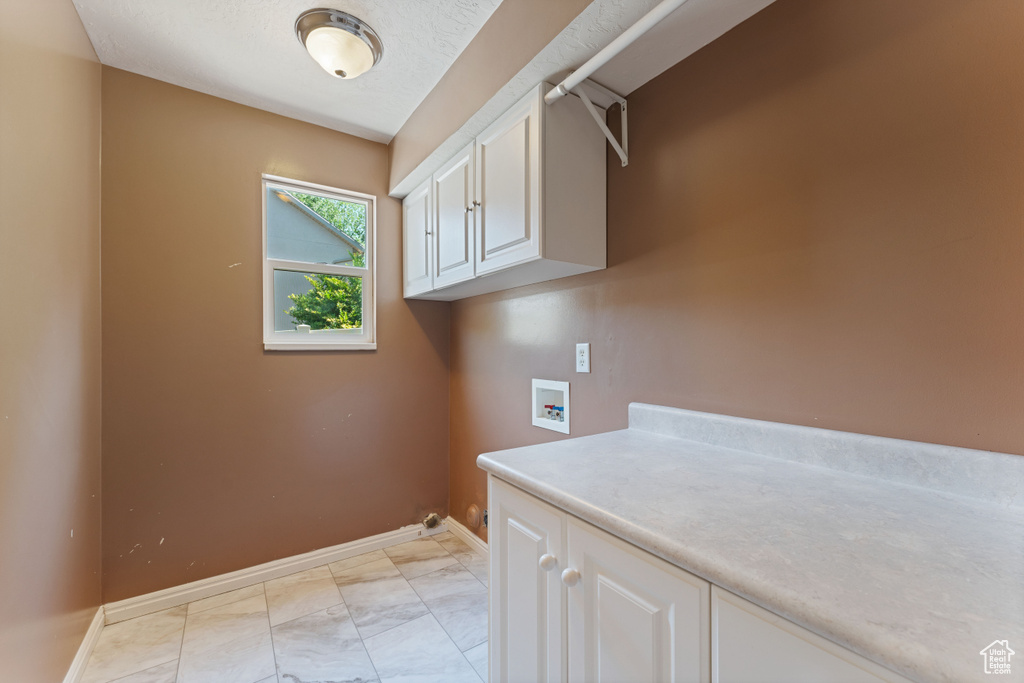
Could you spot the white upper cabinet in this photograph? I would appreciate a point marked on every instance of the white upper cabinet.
(535, 182)
(416, 222)
(509, 175)
(454, 225)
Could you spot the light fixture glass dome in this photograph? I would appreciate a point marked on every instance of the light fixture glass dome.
(340, 43)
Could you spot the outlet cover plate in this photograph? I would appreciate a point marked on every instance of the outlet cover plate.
(583, 358)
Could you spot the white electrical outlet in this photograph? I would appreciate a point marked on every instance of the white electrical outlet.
(583, 358)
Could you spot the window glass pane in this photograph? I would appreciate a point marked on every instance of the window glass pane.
(324, 302)
(314, 228)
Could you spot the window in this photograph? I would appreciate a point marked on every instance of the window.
(318, 266)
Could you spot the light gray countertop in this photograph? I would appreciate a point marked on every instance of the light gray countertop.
(916, 579)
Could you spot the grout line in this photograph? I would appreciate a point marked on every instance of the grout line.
(362, 642)
(273, 649)
(328, 565)
(322, 609)
(400, 576)
(450, 637)
(471, 663)
(181, 645)
(474, 553)
(225, 604)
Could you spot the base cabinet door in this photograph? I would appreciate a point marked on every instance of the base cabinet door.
(633, 617)
(527, 624)
(751, 645)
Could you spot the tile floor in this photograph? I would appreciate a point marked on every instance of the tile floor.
(414, 612)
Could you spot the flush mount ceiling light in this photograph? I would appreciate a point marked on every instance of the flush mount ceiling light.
(342, 44)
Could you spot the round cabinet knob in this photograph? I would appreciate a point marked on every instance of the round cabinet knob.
(570, 577)
(548, 562)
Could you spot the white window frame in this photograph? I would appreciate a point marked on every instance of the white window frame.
(321, 340)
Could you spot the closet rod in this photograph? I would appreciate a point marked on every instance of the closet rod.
(645, 23)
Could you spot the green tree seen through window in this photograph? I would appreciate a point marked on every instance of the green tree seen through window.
(334, 302)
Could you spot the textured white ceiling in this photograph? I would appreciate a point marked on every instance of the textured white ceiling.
(686, 30)
(247, 52)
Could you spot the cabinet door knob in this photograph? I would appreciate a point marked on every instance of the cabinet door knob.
(570, 577)
(469, 209)
(548, 562)
(476, 203)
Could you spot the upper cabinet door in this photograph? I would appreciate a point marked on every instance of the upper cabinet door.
(454, 226)
(527, 624)
(633, 617)
(508, 186)
(416, 226)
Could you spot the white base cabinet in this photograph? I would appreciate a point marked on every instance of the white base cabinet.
(570, 602)
(752, 645)
(632, 616)
(526, 545)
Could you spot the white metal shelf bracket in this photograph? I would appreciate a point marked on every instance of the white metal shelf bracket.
(621, 149)
(606, 54)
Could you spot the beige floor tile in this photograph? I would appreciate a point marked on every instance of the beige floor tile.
(225, 598)
(419, 557)
(300, 594)
(458, 601)
(465, 554)
(477, 656)
(164, 673)
(455, 545)
(244, 660)
(378, 597)
(322, 647)
(419, 652)
(213, 629)
(135, 645)
(350, 562)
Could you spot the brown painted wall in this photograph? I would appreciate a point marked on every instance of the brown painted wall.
(822, 224)
(218, 455)
(513, 35)
(49, 338)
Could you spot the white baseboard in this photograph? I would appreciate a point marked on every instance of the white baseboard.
(215, 585)
(467, 536)
(81, 659)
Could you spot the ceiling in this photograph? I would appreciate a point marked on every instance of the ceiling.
(247, 52)
(686, 30)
